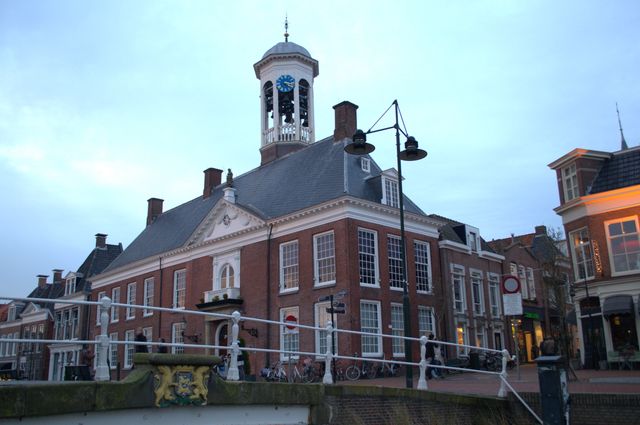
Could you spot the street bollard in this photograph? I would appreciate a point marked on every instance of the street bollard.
(554, 393)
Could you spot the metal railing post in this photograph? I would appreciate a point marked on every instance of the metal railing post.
(102, 368)
(422, 381)
(233, 374)
(328, 378)
(502, 392)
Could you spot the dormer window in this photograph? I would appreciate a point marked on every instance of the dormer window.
(390, 192)
(365, 164)
(11, 315)
(473, 238)
(70, 286)
(570, 182)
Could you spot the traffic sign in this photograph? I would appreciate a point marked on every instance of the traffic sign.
(292, 321)
(510, 285)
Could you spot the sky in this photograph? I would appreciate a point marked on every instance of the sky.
(105, 104)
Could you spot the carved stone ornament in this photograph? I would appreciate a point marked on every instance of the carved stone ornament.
(226, 220)
(181, 385)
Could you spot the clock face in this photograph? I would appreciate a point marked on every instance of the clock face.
(285, 83)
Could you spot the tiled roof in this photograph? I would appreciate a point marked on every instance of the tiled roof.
(316, 174)
(95, 263)
(622, 169)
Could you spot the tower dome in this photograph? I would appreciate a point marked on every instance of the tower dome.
(286, 48)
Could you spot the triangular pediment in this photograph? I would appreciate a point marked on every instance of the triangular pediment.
(225, 220)
(30, 309)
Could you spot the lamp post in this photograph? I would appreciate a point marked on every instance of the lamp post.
(591, 333)
(359, 146)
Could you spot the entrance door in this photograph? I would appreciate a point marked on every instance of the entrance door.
(527, 345)
(222, 339)
(593, 337)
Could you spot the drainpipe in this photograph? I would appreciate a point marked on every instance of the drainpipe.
(268, 355)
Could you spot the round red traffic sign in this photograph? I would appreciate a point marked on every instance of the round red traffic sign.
(292, 320)
(510, 285)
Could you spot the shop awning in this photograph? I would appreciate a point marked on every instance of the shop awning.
(618, 304)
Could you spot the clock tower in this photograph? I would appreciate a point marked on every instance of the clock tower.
(286, 73)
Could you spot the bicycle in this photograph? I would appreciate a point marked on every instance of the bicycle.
(389, 369)
(354, 372)
(276, 373)
(307, 375)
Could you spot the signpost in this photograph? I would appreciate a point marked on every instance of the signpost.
(512, 303)
(333, 309)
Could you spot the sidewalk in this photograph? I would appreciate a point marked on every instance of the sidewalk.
(589, 381)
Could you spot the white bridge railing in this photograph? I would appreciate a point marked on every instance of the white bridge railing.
(103, 341)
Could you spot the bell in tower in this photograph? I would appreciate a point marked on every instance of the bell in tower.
(286, 73)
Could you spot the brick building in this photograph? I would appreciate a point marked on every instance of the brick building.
(600, 208)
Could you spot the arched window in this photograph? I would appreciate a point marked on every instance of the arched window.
(227, 277)
(304, 102)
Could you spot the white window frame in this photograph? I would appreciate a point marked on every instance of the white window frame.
(11, 313)
(365, 164)
(101, 295)
(149, 289)
(180, 288)
(396, 263)
(227, 276)
(368, 257)
(390, 191)
(289, 266)
(289, 338)
(423, 266)
(320, 312)
(579, 247)
(131, 300)
(177, 336)
(375, 340)
(531, 283)
(458, 278)
(426, 321)
(148, 333)
(570, 182)
(494, 292)
(476, 278)
(113, 351)
(498, 331)
(522, 276)
(330, 259)
(473, 238)
(481, 336)
(70, 285)
(129, 349)
(115, 311)
(462, 351)
(614, 271)
(397, 330)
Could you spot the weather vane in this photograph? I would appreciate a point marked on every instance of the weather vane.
(286, 28)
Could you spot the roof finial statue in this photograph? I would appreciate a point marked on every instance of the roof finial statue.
(623, 143)
(286, 28)
(229, 178)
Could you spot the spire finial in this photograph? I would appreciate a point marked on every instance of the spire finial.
(286, 28)
(623, 143)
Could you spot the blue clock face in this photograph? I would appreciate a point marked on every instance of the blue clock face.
(285, 83)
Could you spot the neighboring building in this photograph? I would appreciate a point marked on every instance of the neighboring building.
(536, 261)
(72, 322)
(600, 209)
(310, 221)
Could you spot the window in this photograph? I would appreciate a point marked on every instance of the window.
(129, 349)
(390, 192)
(70, 286)
(177, 337)
(473, 241)
(115, 311)
(624, 245)
(570, 182)
(422, 257)
(365, 164)
(370, 323)
(179, 288)
(148, 296)
(148, 333)
(481, 336)
(75, 328)
(396, 265)
(397, 330)
(514, 269)
(289, 338)
(623, 332)
(494, 294)
(497, 340)
(227, 277)
(131, 299)
(324, 259)
(11, 314)
(531, 284)
(101, 295)
(522, 275)
(368, 257)
(113, 351)
(289, 274)
(322, 317)
(426, 321)
(457, 278)
(462, 337)
(477, 293)
(582, 257)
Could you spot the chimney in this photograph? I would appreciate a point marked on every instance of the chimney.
(154, 209)
(101, 240)
(42, 280)
(57, 275)
(541, 230)
(346, 121)
(212, 178)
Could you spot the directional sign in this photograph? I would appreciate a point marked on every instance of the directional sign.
(340, 294)
(338, 305)
(336, 310)
(325, 298)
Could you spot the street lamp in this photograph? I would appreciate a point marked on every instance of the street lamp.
(592, 344)
(359, 146)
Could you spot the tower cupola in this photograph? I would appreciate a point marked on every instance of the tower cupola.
(286, 72)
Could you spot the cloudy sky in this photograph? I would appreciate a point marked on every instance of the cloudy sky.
(104, 104)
